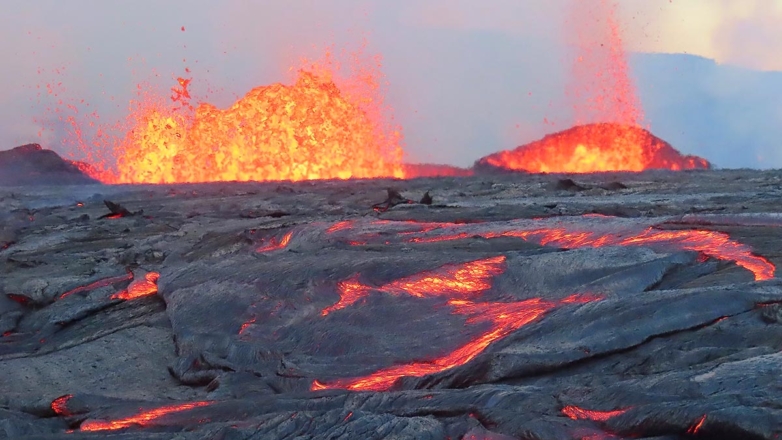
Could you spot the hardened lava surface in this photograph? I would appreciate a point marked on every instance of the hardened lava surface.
(610, 306)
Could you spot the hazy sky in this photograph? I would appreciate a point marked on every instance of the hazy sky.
(466, 77)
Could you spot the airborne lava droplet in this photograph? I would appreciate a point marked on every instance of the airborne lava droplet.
(143, 418)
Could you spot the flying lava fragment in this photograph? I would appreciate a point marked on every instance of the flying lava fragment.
(608, 133)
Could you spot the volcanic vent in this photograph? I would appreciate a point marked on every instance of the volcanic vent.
(593, 148)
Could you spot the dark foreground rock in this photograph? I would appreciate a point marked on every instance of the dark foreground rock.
(512, 308)
(32, 165)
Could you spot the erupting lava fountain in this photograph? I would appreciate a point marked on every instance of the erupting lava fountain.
(600, 90)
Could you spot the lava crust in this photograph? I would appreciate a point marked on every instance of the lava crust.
(513, 307)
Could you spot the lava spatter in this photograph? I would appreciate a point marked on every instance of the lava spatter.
(505, 318)
(143, 418)
(452, 280)
(60, 405)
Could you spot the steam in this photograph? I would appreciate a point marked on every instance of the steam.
(480, 78)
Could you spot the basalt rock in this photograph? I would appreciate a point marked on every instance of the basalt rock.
(506, 310)
(32, 165)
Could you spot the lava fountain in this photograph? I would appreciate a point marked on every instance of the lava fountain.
(608, 134)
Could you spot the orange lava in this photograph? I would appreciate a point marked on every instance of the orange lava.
(577, 413)
(595, 148)
(340, 226)
(713, 244)
(139, 287)
(60, 405)
(505, 318)
(607, 135)
(457, 280)
(98, 284)
(274, 245)
(697, 426)
(143, 418)
(319, 127)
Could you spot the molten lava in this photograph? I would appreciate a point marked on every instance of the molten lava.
(453, 280)
(143, 418)
(98, 284)
(577, 413)
(711, 243)
(60, 405)
(139, 287)
(504, 318)
(274, 244)
(308, 130)
(594, 148)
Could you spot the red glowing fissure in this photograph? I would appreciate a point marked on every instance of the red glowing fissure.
(577, 413)
(505, 318)
(454, 280)
(697, 425)
(98, 284)
(143, 418)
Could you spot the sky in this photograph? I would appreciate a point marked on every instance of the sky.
(464, 78)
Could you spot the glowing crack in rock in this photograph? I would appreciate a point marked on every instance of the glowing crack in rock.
(453, 280)
(60, 405)
(143, 418)
(577, 413)
(505, 318)
(98, 284)
(713, 244)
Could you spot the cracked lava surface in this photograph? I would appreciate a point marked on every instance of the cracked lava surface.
(591, 312)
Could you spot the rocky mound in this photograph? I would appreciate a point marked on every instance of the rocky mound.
(32, 165)
(593, 148)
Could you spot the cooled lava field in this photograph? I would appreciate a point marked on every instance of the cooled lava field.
(609, 306)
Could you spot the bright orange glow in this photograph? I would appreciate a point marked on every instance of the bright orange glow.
(340, 226)
(143, 418)
(711, 243)
(505, 318)
(577, 413)
(98, 284)
(274, 245)
(139, 287)
(320, 127)
(60, 405)
(595, 148)
(457, 280)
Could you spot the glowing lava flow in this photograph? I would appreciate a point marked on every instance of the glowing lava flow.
(143, 418)
(713, 244)
(98, 284)
(139, 287)
(458, 280)
(505, 318)
(274, 245)
(577, 413)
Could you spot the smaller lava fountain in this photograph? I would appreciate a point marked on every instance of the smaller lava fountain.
(594, 148)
